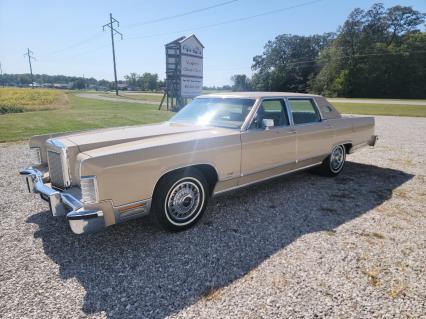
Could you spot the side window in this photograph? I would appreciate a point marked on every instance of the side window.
(273, 109)
(304, 111)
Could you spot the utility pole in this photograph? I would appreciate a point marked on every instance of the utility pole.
(113, 32)
(1, 73)
(30, 56)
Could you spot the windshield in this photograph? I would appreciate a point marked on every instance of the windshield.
(226, 112)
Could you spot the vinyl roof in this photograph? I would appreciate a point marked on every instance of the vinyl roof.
(256, 95)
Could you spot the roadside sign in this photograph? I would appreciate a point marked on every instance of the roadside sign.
(184, 69)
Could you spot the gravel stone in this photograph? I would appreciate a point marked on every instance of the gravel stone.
(300, 246)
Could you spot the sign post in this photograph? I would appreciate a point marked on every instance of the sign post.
(184, 71)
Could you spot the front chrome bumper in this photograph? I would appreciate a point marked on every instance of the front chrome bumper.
(64, 204)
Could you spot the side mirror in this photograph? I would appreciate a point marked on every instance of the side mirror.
(267, 123)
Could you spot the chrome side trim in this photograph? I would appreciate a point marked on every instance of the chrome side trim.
(249, 117)
(265, 179)
(164, 172)
(268, 168)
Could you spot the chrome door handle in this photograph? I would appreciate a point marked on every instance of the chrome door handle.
(291, 132)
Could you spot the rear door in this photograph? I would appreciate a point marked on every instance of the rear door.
(314, 134)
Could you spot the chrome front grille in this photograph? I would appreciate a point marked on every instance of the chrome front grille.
(55, 169)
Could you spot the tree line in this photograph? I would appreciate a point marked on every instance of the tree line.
(133, 81)
(379, 52)
(145, 82)
(72, 82)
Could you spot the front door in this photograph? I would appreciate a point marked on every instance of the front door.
(268, 152)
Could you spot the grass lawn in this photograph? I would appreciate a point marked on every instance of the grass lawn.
(381, 109)
(79, 114)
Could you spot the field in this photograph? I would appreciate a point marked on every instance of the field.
(79, 114)
(381, 109)
(17, 100)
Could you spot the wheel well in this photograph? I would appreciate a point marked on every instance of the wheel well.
(207, 170)
(348, 147)
(209, 173)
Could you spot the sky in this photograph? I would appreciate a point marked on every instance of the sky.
(66, 36)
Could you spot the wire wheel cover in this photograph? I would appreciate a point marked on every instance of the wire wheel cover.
(337, 159)
(183, 200)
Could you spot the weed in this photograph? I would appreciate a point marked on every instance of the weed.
(373, 276)
(397, 289)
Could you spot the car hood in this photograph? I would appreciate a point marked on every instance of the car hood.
(94, 139)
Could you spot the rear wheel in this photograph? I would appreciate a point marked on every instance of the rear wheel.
(180, 199)
(334, 163)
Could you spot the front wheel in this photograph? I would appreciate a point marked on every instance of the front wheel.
(334, 163)
(180, 199)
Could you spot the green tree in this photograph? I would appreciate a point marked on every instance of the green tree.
(288, 62)
(150, 81)
(132, 79)
(78, 84)
(377, 53)
(240, 83)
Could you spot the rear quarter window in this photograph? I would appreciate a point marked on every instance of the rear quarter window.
(304, 111)
(327, 109)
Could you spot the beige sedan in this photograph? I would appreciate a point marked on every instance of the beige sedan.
(216, 143)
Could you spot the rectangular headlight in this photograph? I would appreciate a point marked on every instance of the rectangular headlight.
(35, 156)
(89, 190)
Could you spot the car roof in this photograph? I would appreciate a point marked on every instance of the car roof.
(255, 95)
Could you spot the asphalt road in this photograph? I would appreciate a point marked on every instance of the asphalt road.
(300, 246)
(95, 96)
(379, 101)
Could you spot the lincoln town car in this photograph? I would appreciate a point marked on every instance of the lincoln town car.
(216, 143)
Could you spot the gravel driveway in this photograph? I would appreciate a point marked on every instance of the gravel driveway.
(299, 246)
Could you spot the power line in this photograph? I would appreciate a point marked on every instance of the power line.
(94, 36)
(230, 21)
(75, 44)
(358, 56)
(30, 55)
(180, 14)
(73, 55)
(304, 61)
(184, 30)
(110, 25)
